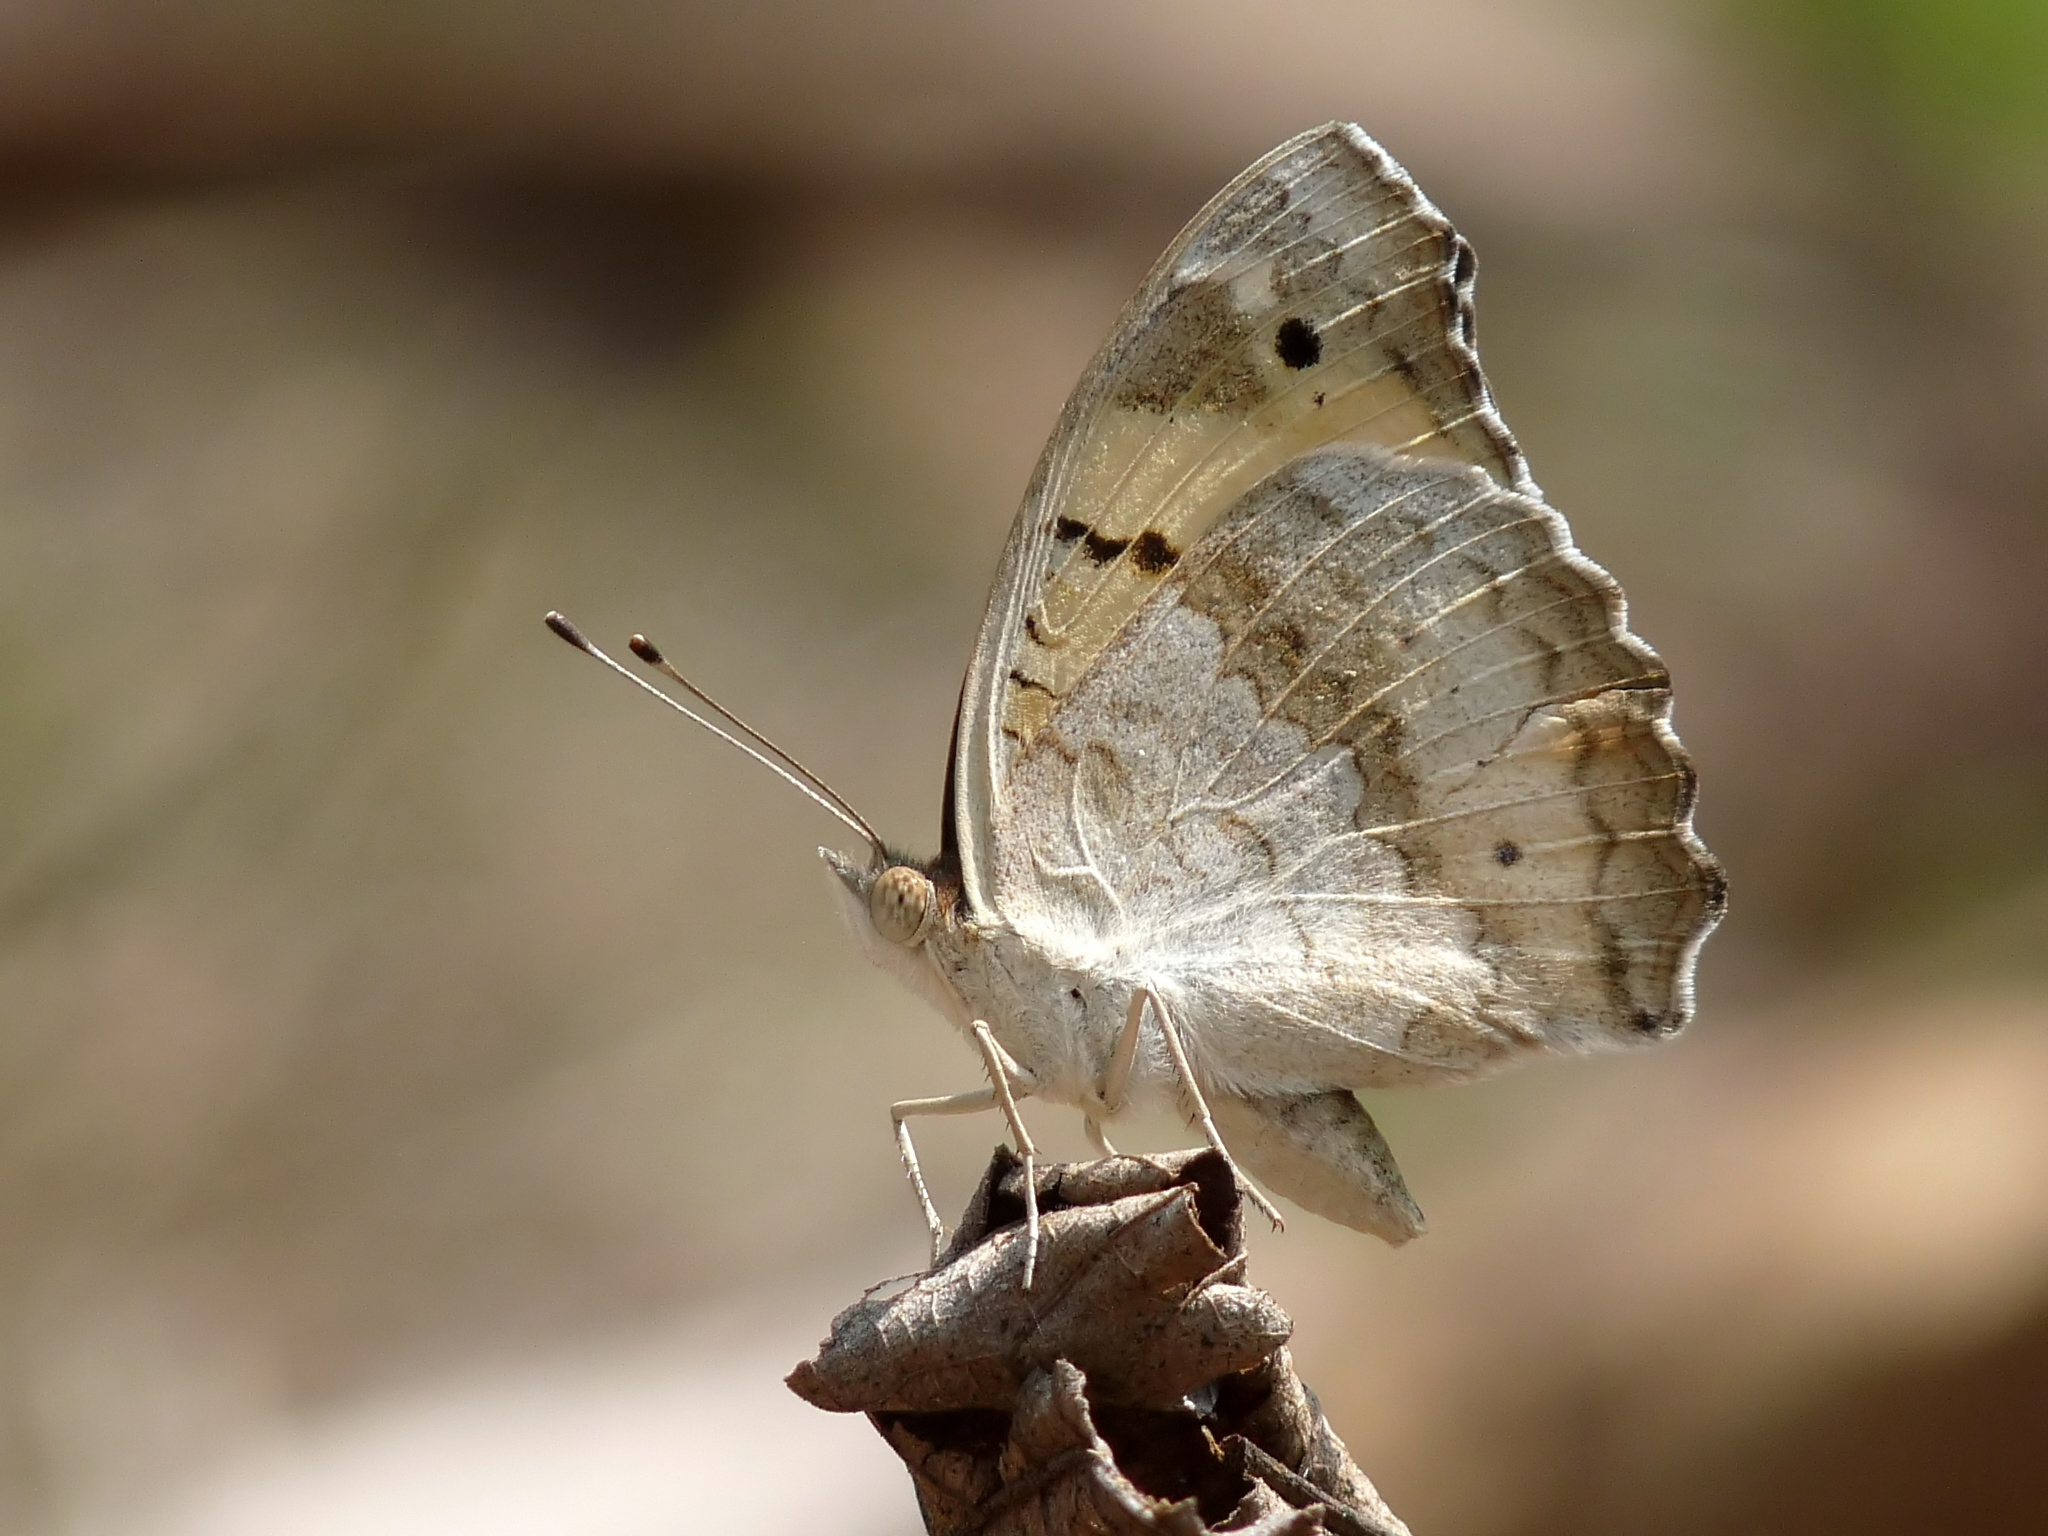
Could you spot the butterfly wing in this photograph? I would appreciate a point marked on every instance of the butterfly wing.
(1319, 298)
(1376, 788)
(1296, 704)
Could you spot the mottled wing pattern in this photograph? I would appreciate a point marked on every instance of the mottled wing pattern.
(1318, 299)
(1376, 788)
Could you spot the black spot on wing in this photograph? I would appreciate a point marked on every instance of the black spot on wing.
(1508, 854)
(1017, 676)
(1100, 549)
(1068, 529)
(1296, 343)
(1151, 553)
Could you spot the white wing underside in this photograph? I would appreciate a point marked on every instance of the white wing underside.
(1373, 791)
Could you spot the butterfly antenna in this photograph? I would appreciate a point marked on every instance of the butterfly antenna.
(780, 763)
(645, 649)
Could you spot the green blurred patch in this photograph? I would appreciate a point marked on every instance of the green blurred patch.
(1961, 85)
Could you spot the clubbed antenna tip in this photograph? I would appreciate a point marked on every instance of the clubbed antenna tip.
(748, 740)
(569, 632)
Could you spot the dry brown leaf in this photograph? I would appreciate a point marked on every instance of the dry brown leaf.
(1139, 1387)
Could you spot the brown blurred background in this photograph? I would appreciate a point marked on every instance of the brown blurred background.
(434, 1093)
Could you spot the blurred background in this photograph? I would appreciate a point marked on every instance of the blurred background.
(434, 1092)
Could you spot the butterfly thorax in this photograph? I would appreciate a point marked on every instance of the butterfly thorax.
(1056, 1007)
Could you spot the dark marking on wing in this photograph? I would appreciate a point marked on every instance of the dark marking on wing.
(1464, 266)
(1102, 550)
(1031, 627)
(1508, 854)
(1652, 680)
(1151, 553)
(1463, 263)
(1235, 226)
(1716, 881)
(1017, 676)
(1296, 343)
(1403, 363)
(1196, 337)
(1306, 264)
(1068, 529)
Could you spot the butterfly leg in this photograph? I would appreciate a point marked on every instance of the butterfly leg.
(1117, 1081)
(1186, 1074)
(1000, 1070)
(899, 1116)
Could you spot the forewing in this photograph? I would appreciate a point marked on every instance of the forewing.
(1318, 299)
(1377, 787)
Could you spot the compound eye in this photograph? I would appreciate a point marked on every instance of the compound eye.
(900, 904)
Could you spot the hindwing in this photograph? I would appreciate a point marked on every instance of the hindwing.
(1295, 702)
(1377, 787)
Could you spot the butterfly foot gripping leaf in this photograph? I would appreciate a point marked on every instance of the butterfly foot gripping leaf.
(1296, 711)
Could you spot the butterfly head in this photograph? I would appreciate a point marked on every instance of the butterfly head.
(890, 900)
(895, 907)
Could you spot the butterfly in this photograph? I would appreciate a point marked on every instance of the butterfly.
(1300, 753)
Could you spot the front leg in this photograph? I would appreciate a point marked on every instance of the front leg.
(899, 1114)
(1005, 1075)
